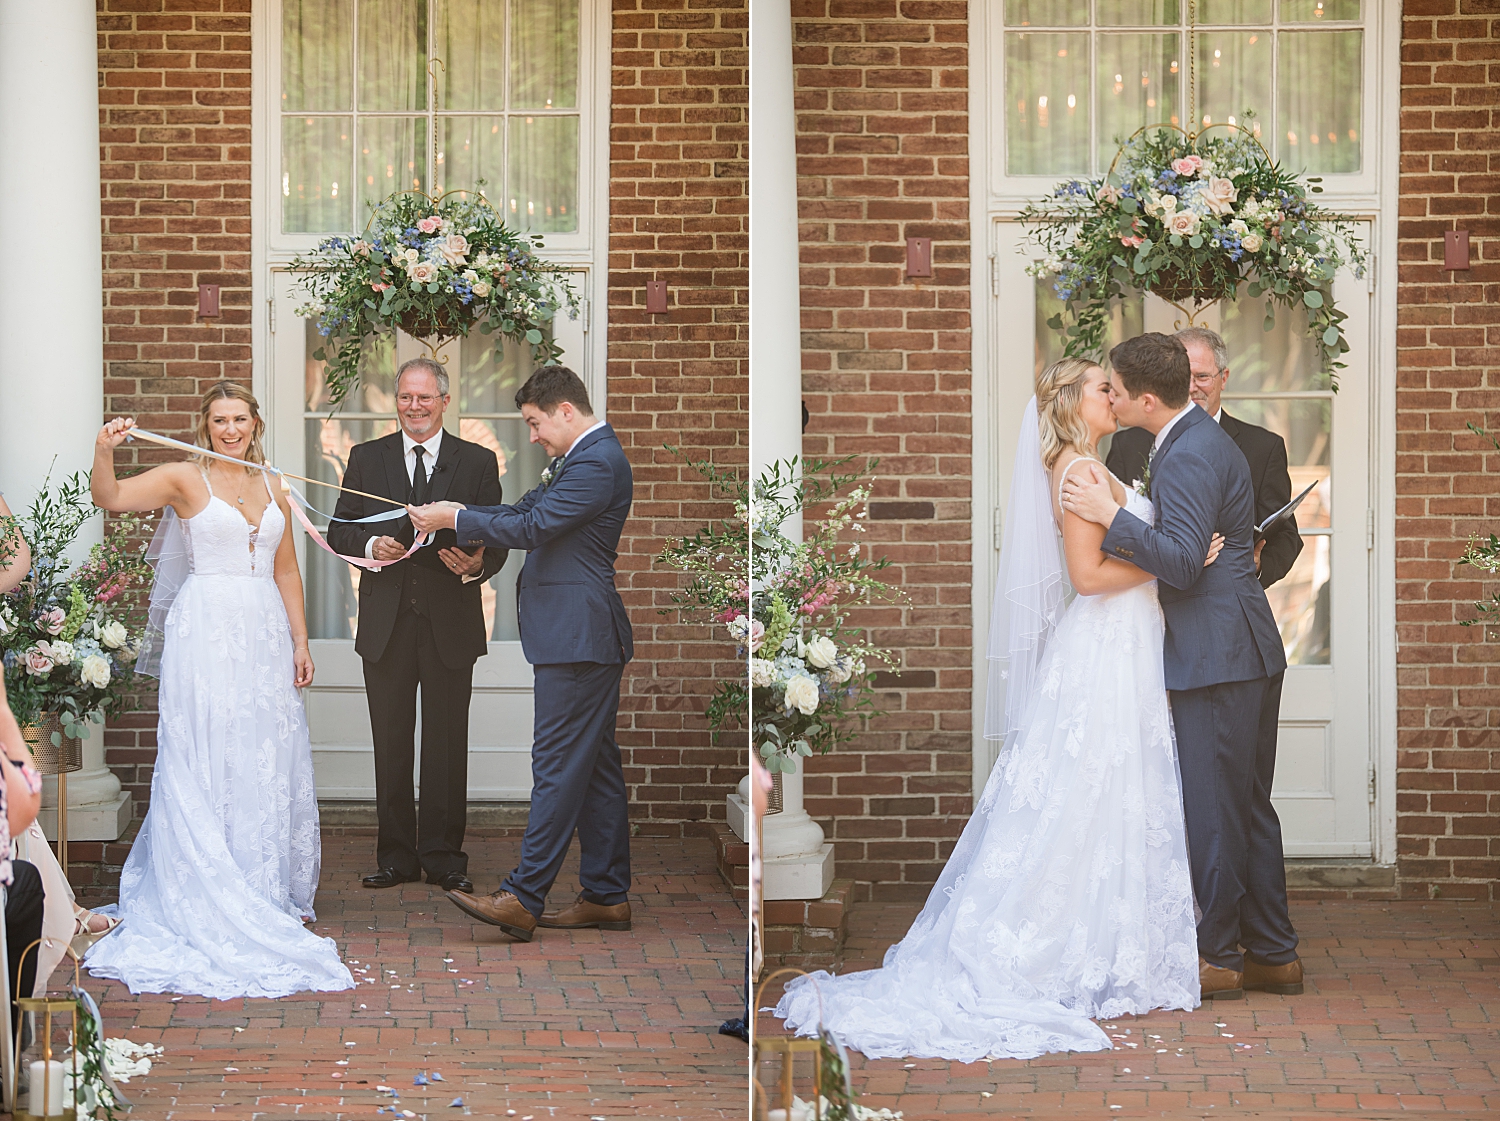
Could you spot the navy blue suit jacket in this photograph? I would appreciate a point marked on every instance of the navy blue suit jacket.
(570, 528)
(1219, 623)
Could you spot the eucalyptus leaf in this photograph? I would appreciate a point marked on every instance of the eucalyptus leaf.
(1312, 298)
(1331, 336)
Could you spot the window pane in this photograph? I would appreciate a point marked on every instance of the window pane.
(315, 49)
(1318, 100)
(332, 585)
(1234, 74)
(541, 190)
(1135, 79)
(377, 371)
(1304, 423)
(471, 42)
(392, 55)
(392, 157)
(490, 370)
(544, 54)
(1046, 13)
(1234, 11)
(316, 155)
(1137, 13)
(1310, 11)
(471, 149)
(1300, 602)
(1046, 103)
(1276, 361)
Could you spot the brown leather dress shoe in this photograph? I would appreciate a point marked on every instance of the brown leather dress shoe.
(501, 909)
(1284, 979)
(582, 914)
(1215, 983)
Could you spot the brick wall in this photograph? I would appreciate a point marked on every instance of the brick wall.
(882, 142)
(678, 213)
(1448, 768)
(174, 124)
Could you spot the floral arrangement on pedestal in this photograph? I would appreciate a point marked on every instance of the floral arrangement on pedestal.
(1190, 216)
(69, 637)
(809, 671)
(435, 267)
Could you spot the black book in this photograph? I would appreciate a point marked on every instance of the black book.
(1286, 513)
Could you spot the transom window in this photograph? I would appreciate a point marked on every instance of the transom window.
(1082, 75)
(379, 96)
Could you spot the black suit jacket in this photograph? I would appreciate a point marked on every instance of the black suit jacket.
(464, 472)
(1264, 451)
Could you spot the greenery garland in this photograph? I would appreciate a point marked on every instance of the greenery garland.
(1190, 216)
(435, 267)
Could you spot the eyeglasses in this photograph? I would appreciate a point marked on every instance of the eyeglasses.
(406, 399)
(1207, 379)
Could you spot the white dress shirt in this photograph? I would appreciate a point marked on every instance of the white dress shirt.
(1219, 416)
(430, 447)
(593, 427)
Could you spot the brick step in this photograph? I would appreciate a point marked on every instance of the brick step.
(1339, 879)
(808, 933)
(732, 858)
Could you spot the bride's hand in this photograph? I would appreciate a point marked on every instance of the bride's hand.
(113, 434)
(303, 663)
(1214, 547)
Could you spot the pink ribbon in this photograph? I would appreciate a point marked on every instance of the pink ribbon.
(361, 562)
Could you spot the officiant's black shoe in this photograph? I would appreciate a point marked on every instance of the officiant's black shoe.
(1217, 983)
(583, 915)
(453, 881)
(1286, 980)
(388, 877)
(501, 909)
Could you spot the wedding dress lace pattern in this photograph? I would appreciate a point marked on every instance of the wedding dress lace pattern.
(1068, 895)
(217, 884)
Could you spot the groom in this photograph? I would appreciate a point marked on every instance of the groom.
(1222, 654)
(575, 633)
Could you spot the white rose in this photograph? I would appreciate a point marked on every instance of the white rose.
(411, 256)
(1251, 242)
(480, 288)
(762, 672)
(453, 248)
(1184, 223)
(113, 634)
(821, 652)
(1239, 227)
(422, 272)
(802, 694)
(1219, 195)
(95, 671)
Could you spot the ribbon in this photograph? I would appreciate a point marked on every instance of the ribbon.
(298, 500)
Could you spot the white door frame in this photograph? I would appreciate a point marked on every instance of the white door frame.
(988, 201)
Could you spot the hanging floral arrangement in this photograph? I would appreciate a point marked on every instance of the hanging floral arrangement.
(436, 268)
(1190, 217)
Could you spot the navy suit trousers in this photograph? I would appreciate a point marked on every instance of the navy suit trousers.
(577, 784)
(1227, 760)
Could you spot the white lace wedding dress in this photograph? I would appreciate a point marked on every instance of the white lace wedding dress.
(1068, 895)
(217, 884)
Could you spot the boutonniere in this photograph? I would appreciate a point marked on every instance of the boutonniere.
(1143, 484)
(552, 471)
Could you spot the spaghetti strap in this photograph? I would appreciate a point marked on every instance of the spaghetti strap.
(1061, 479)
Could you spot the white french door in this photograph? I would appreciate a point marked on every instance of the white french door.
(307, 439)
(1324, 785)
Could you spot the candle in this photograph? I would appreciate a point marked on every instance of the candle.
(51, 1085)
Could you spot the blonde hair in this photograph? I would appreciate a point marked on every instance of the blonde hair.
(231, 391)
(1059, 394)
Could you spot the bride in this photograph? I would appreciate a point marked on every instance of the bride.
(1068, 895)
(220, 880)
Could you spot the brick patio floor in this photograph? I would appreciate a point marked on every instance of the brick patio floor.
(1401, 1016)
(572, 1025)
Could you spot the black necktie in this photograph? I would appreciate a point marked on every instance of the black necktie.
(418, 478)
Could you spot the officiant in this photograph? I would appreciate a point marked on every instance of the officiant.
(1265, 451)
(420, 624)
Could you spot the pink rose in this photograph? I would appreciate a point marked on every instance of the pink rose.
(37, 663)
(423, 272)
(453, 248)
(430, 225)
(757, 635)
(52, 621)
(1133, 242)
(1111, 194)
(1220, 195)
(1187, 167)
(1184, 223)
(380, 287)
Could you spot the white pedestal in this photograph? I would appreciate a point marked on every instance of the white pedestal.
(808, 876)
(98, 821)
(738, 816)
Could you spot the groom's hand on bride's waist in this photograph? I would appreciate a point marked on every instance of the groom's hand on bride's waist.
(1087, 494)
(435, 516)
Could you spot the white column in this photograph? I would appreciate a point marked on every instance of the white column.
(798, 862)
(51, 293)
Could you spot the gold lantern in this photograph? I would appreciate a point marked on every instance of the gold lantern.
(831, 1086)
(47, 1067)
